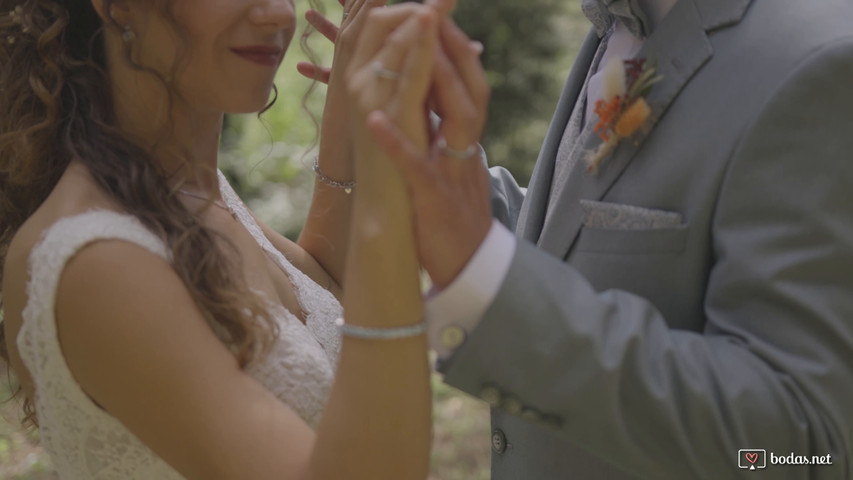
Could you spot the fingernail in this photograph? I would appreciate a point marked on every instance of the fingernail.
(425, 18)
(477, 47)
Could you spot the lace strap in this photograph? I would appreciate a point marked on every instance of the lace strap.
(46, 262)
(318, 304)
(300, 281)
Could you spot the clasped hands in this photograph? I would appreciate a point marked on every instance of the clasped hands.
(393, 66)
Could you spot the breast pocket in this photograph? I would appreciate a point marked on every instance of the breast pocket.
(629, 229)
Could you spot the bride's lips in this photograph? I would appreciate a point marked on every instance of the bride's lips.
(265, 55)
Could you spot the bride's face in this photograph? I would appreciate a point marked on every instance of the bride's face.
(227, 51)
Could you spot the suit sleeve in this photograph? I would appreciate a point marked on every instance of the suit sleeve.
(772, 367)
(506, 197)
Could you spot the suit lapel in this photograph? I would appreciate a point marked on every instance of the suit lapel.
(721, 13)
(532, 212)
(679, 47)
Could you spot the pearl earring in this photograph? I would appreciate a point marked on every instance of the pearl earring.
(128, 36)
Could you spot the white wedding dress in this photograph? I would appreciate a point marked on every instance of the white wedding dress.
(85, 442)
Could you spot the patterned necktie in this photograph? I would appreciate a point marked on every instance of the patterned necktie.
(603, 12)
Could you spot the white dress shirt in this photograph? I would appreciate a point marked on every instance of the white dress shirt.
(457, 310)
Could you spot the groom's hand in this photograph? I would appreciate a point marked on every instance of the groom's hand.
(449, 189)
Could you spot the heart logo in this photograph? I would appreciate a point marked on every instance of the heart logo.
(751, 457)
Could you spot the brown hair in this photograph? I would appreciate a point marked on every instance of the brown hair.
(52, 83)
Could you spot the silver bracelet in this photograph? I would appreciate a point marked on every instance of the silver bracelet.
(346, 186)
(384, 333)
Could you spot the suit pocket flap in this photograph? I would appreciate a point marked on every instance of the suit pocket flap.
(615, 216)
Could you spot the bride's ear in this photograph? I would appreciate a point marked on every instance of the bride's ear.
(112, 11)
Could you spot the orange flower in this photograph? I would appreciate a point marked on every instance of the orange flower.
(607, 112)
(633, 118)
(624, 110)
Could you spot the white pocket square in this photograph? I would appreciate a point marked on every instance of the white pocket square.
(627, 217)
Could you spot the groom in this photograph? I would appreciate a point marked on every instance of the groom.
(689, 294)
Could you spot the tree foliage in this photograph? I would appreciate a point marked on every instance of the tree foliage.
(523, 48)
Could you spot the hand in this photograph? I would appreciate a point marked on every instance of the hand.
(354, 17)
(331, 31)
(335, 140)
(450, 195)
(460, 92)
(391, 71)
(387, 45)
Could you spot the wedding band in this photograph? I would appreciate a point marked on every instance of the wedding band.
(383, 72)
(469, 152)
(346, 14)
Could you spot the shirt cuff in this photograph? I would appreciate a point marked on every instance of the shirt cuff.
(455, 311)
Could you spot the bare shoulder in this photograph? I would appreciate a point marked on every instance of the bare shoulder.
(116, 297)
(74, 194)
(137, 344)
(17, 276)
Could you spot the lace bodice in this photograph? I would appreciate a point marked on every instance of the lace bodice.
(84, 441)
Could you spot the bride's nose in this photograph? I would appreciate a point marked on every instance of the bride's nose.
(280, 13)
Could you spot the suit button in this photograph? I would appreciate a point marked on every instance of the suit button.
(492, 396)
(453, 337)
(498, 441)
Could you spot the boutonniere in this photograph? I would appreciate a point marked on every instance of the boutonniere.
(622, 111)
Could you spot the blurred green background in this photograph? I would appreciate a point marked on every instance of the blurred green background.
(529, 49)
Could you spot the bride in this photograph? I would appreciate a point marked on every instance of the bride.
(158, 329)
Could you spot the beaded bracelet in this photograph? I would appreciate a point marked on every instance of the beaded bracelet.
(347, 186)
(386, 333)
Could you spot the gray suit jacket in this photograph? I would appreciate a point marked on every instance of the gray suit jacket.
(620, 347)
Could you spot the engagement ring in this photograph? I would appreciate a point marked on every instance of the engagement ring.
(383, 72)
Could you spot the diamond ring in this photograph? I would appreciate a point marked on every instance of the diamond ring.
(383, 72)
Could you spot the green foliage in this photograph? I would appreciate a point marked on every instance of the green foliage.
(522, 47)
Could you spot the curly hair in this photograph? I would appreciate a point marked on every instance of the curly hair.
(52, 83)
